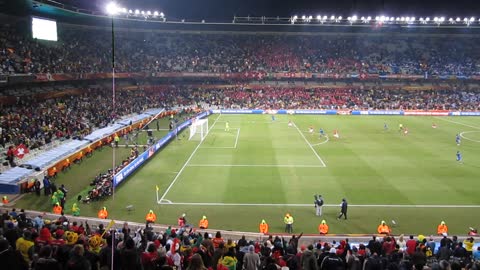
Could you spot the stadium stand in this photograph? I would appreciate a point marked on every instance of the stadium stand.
(165, 247)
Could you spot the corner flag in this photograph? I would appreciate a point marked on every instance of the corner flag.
(156, 186)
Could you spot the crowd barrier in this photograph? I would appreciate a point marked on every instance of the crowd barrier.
(353, 112)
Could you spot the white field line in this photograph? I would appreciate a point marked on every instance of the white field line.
(458, 123)
(320, 143)
(329, 205)
(186, 163)
(222, 128)
(468, 139)
(311, 147)
(236, 140)
(257, 165)
(154, 129)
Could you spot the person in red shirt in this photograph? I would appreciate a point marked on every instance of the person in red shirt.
(411, 245)
(217, 240)
(150, 257)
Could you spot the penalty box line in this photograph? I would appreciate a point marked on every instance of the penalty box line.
(224, 147)
(310, 145)
(186, 163)
(168, 202)
(257, 165)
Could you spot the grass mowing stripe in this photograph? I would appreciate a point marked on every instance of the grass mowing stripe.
(186, 163)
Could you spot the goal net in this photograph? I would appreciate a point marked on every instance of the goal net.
(198, 129)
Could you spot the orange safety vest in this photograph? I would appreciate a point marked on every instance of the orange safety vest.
(103, 214)
(5, 200)
(57, 209)
(384, 229)
(441, 229)
(263, 228)
(151, 217)
(323, 228)
(203, 224)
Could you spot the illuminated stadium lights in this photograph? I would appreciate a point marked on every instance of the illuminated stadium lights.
(458, 19)
(304, 17)
(130, 11)
(111, 8)
(155, 13)
(149, 12)
(142, 12)
(472, 19)
(332, 18)
(319, 18)
(137, 11)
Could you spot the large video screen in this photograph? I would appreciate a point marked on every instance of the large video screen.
(44, 29)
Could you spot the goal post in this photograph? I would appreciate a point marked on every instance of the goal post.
(198, 129)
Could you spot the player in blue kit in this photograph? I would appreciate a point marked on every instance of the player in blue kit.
(322, 133)
(458, 140)
(459, 157)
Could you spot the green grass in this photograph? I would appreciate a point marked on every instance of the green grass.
(367, 165)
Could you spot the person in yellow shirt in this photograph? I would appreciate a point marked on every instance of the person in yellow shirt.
(468, 244)
(288, 220)
(25, 245)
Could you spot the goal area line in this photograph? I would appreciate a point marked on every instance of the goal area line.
(168, 202)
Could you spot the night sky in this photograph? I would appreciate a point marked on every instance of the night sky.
(226, 9)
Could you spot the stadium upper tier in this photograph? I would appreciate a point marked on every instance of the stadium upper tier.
(88, 50)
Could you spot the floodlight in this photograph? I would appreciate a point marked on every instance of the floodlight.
(304, 17)
(310, 17)
(339, 17)
(149, 12)
(427, 19)
(155, 13)
(450, 20)
(319, 17)
(295, 17)
(442, 19)
(369, 18)
(465, 19)
(402, 19)
(162, 15)
(412, 19)
(421, 19)
(332, 18)
(354, 17)
(324, 17)
(143, 12)
(472, 19)
(435, 19)
(458, 19)
(111, 8)
(130, 11)
(377, 18)
(137, 11)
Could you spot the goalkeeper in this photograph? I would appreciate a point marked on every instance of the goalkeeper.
(227, 126)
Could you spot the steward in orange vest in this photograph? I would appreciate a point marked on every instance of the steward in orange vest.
(151, 217)
(442, 228)
(103, 214)
(203, 224)
(323, 227)
(57, 209)
(5, 200)
(263, 227)
(383, 228)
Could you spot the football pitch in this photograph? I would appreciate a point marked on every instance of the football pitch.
(262, 168)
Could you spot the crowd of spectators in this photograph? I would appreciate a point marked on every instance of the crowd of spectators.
(36, 123)
(89, 51)
(64, 244)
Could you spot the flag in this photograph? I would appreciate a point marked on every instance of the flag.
(110, 225)
(156, 186)
(21, 150)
